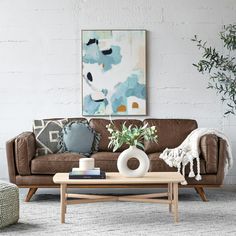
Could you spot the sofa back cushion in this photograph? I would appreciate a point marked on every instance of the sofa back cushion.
(47, 134)
(79, 137)
(171, 133)
(99, 125)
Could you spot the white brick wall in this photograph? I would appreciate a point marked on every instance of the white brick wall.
(40, 58)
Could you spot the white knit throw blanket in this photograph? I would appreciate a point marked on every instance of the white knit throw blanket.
(189, 150)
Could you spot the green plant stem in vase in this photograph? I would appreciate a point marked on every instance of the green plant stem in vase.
(131, 135)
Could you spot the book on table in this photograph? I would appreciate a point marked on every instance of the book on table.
(95, 173)
(78, 171)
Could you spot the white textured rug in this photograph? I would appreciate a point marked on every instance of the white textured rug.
(217, 217)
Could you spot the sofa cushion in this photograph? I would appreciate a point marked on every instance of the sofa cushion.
(47, 133)
(107, 161)
(157, 164)
(53, 163)
(79, 137)
(171, 133)
(99, 125)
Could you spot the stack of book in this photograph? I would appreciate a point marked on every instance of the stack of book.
(95, 173)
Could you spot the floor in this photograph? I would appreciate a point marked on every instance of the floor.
(41, 216)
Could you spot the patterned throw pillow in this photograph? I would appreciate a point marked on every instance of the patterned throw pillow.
(47, 134)
(78, 136)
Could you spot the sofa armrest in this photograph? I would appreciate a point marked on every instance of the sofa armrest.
(20, 151)
(209, 148)
(10, 153)
(223, 155)
(25, 151)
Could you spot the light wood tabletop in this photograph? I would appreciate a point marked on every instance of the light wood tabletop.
(116, 178)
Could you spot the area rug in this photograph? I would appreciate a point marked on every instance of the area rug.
(41, 216)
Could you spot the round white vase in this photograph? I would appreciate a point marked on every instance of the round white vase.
(133, 152)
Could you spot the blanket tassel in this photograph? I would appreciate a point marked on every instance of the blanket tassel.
(198, 176)
(183, 173)
(191, 173)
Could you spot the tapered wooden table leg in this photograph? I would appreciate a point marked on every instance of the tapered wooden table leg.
(63, 202)
(170, 195)
(65, 205)
(175, 189)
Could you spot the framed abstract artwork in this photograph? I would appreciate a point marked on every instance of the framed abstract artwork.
(113, 72)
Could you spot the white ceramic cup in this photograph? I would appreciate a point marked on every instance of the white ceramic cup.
(86, 163)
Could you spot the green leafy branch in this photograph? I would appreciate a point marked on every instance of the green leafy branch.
(221, 69)
(131, 135)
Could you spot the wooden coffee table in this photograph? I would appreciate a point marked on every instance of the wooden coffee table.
(115, 180)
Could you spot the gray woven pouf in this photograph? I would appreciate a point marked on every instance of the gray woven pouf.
(9, 204)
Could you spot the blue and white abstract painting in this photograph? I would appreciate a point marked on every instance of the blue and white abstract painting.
(114, 72)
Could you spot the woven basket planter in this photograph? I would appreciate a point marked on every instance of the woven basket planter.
(9, 204)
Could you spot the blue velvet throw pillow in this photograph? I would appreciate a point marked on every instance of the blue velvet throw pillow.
(78, 136)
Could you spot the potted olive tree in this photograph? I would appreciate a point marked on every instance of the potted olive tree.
(221, 68)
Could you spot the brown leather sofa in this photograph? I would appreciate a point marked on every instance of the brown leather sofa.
(28, 171)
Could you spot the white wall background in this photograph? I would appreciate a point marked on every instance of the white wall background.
(40, 59)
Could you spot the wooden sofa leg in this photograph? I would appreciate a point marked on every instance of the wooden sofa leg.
(201, 193)
(30, 193)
